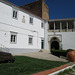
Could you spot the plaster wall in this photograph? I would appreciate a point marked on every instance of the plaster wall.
(67, 39)
(23, 30)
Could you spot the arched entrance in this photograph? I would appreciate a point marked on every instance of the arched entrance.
(55, 45)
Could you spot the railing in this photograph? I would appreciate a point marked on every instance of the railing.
(3, 48)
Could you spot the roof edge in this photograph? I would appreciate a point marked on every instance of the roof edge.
(22, 9)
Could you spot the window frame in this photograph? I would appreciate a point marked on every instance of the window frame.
(30, 42)
(42, 25)
(51, 26)
(14, 34)
(31, 20)
(70, 25)
(57, 25)
(42, 43)
(64, 25)
(13, 15)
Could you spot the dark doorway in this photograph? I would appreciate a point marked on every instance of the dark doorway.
(55, 45)
(42, 44)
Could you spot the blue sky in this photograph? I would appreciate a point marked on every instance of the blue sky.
(58, 9)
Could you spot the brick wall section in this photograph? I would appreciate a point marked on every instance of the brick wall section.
(35, 8)
(38, 8)
(45, 11)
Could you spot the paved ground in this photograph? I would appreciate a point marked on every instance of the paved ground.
(43, 55)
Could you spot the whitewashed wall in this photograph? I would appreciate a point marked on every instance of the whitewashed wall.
(46, 36)
(7, 24)
(68, 39)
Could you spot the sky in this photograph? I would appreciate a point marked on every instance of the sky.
(58, 9)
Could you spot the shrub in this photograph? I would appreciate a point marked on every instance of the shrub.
(6, 57)
(69, 50)
(59, 52)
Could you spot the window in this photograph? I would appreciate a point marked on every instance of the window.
(51, 25)
(30, 39)
(64, 26)
(70, 24)
(31, 20)
(15, 13)
(57, 25)
(42, 43)
(13, 38)
(42, 25)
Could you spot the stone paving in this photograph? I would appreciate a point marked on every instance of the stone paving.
(43, 55)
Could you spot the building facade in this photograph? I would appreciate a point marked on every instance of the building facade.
(61, 34)
(20, 31)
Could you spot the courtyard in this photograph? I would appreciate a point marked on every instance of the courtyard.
(26, 65)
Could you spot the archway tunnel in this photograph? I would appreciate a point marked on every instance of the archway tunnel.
(55, 45)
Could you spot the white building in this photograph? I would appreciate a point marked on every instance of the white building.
(23, 32)
(61, 34)
(20, 31)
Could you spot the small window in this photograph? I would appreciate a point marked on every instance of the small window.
(31, 20)
(30, 39)
(15, 13)
(13, 38)
(42, 25)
